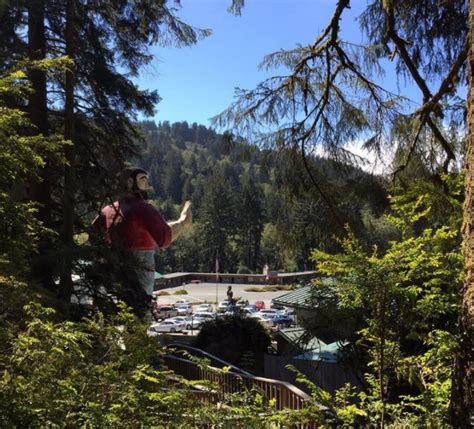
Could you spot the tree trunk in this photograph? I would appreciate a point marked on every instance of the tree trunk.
(463, 387)
(40, 190)
(68, 200)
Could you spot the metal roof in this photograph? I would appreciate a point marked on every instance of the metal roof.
(173, 275)
(278, 274)
(300, 297)
(299, 273)
(296, 336)
(326, 353)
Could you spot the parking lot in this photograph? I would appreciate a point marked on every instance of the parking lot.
(199, 293)
(208, 292)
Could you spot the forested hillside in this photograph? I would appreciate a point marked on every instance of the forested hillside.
(253, 206)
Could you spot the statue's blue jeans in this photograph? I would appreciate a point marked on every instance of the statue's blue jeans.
(145, 269)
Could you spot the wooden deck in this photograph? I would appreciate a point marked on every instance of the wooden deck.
(285, 395)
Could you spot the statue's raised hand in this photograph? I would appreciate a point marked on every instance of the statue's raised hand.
(186, 214)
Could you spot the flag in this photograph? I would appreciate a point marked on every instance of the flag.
(217, 265)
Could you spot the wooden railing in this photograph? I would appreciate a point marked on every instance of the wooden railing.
(285, 395)
(214, 361)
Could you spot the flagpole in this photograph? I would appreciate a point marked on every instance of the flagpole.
(217, 278)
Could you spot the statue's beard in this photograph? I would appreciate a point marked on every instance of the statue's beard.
(142, 194)
(139, 193)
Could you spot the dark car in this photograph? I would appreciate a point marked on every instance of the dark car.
(282, 321)
(276, 306)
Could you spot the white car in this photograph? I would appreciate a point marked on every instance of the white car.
(184, 309)
(180, 319)
(206, 315)
(223, 306)
(168, 325)
(208, 308)
(197, 319)
(189, 322)
(268, 311)
(264, 319)
(193, 323)
(164, 311)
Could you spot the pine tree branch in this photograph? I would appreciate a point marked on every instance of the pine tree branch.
(403, 52)
(430, 101)
(444, 143)
(446, 85)
(332, 206)
(411, 150)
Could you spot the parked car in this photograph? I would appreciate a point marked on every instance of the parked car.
(164, 311)
(265, 319)
(180, 319)
(195, 281)
(276, 306)
(250, 308)
(242, 303)
(204, 308)
(168, 326)
(204, 315)
(259, 305)
(282, 321)
(182, 301)
(268, 311)
(223, 306)
(289, 312)
(184, 309)
(194, 323)
(198, 319)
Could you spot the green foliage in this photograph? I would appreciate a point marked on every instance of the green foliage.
(276, 217)
(403, 307)
(401, 298)
(21, 158)
(95, 373)
(217, 223)
(107, 373)
(235, 339)
(106, 46)
(249, 225)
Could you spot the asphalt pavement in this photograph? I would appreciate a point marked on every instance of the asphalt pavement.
(211, 292)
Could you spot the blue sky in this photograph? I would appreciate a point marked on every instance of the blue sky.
(198, 82)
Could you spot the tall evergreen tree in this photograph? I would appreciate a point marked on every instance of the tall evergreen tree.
(172, 178)
(107, 52)
(250, 224)
(217, 223)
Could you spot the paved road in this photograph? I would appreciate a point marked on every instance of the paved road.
(206, 292)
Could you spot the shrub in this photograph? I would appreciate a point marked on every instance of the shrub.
(239, 341)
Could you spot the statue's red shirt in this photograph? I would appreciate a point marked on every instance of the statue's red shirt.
(135, 224)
